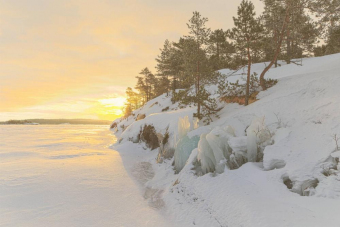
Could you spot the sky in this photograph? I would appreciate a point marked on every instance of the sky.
(75, 58)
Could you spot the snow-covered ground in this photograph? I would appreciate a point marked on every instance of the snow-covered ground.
(69, 175)
(298, 182)
(66, 175)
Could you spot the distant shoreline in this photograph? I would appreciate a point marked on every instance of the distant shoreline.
(56, 122)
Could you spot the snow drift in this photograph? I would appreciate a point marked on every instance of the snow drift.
(279, 152)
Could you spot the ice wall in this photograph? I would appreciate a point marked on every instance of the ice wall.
(206, 155)
(183, 150)
(257, 133)
(184, 144)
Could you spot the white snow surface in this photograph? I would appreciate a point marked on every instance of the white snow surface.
(302, 113)
(66, 175)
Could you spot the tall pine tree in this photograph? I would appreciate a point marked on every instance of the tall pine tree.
(273, 7)
(246, 33)
(199, 33)
(220, 50)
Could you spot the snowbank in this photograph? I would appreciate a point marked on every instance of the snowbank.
(296, 184)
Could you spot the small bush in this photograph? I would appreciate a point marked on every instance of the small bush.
(114, 125)
(165, 149)
(235, 92)
(149, 136)
(240, 99)
(166, 138)
(165, 109)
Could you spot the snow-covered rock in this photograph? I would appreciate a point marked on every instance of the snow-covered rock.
(299, 154)
(257, 134)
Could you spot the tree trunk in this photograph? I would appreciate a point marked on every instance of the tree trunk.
(276, 41)
(289, 48)
(147, 91)
(198, 84)
(198, 89)
(218, 56)
(167, 87)
(248, 77)
(278, 48)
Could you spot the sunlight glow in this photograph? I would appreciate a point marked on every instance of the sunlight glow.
(108, 108)
(113, 102)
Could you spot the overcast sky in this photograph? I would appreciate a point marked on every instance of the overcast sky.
(70, 58)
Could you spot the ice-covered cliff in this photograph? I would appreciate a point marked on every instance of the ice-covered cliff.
(272, 163)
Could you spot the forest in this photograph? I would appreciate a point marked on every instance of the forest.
(286, 31)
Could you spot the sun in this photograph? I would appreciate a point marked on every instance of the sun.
(109, 108)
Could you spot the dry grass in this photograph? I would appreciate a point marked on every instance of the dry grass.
(240, 99)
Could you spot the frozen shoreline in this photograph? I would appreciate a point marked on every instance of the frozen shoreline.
(67, 176)
(296, 183)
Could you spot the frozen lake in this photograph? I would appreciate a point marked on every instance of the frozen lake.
(66, 175)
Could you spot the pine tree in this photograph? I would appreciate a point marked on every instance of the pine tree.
(141, 88)
(147, 83)
(333, 41)
(165, 64)
(161, 86)
(320, 50)
(193, 69)
(132, 98)
(220, 50)
(170, 64)
(328, 11)
(301, 33)
(183, 53)
(246, 33)
(200, 35)
(288, 20)
(132, 103)
(273, 19)
(279, 30)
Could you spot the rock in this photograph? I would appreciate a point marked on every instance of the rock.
(140, 117)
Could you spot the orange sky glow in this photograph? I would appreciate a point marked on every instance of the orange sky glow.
(75, 58)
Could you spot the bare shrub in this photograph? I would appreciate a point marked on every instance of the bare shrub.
(149, 136)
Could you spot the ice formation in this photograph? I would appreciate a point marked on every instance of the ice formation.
(184, 144)
(183, 150)
(238, 146)
(195, 123)
(206, 155)
(183, 127)
(230, 130)
(218, 141)
(257, 134)
(214, 150)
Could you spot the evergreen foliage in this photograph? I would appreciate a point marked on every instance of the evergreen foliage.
(286, 30)
(246, 34)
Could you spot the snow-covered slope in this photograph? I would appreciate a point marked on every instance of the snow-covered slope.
(159, 112)
(302, 113)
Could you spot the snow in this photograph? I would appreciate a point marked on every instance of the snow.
(66, 175)
(257, 134)
(183, 127)
(298, 182)
(206, 155)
